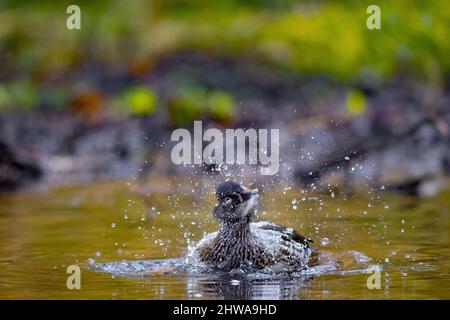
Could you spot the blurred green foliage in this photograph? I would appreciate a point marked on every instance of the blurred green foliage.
(221, 105)
(194, 101)
(307, 37)
(141, 100)
(188, 104)
(356, 102)
(22, 94)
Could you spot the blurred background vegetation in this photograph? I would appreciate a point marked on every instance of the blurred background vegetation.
(39, 55)
(303, 64)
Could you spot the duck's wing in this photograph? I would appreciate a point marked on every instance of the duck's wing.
(287, 234)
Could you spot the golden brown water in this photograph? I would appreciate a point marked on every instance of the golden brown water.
(41, 233)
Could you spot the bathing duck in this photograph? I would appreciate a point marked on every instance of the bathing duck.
(241, 243)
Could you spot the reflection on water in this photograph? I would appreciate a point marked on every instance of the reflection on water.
(236, 284)
(241, 287)
(41, 233)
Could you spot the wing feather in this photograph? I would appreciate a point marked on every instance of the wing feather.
(286, 233)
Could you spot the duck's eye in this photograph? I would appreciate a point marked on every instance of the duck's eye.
(227, 200)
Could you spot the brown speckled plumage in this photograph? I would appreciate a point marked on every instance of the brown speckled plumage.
(240, 242)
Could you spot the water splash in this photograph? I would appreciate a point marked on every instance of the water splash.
(345, 263)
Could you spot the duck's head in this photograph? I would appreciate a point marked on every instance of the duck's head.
(235, 202)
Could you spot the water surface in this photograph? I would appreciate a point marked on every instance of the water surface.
(42, 232)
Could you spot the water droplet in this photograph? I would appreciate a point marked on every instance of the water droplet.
(235, 282)
(324, 241)
(113, 225)
(90, 261)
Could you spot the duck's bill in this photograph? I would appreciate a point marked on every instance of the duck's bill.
(248, 194)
